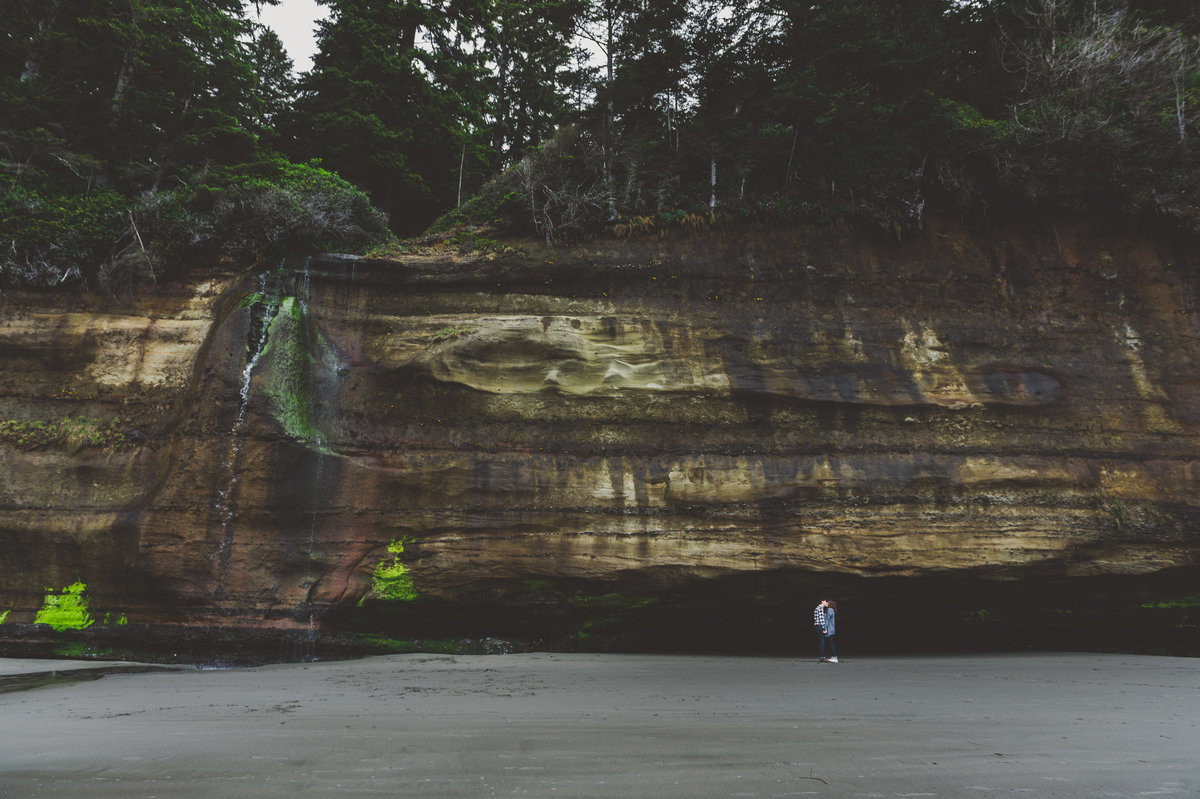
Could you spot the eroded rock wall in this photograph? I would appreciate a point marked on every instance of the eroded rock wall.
(729, 419)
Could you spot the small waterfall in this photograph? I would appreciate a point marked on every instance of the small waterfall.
(304, 641)
(293, 372)
(226, 502)
(304, 290)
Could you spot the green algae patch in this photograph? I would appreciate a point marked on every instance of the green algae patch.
(392, 580)
(605, 616)
(452, 333)
(72, 434)
(66, 611)
(300, 368)
(1190, 601)
(616, 602)
(290, 366)
(982, 616)
(383, 645)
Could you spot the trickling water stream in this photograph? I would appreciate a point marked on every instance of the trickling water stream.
(292, 372)
(227, 500)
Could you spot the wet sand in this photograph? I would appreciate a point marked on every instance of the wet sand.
(542, 725)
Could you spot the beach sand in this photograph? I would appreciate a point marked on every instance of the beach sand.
(542, 725)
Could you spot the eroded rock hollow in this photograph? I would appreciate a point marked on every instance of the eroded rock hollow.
(674, 442)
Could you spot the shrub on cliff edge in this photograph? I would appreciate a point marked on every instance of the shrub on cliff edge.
(265, 210)
(555, 192)
(251, 212)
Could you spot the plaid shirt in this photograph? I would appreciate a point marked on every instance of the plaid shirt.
(819, 618)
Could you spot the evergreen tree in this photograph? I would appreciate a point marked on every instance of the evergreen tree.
(861, 82)
(647, 94)
(276, 87)
(731, 129)
(125, 125)
(127, 117)
(145, 86)
(393, 93)
(529, 47)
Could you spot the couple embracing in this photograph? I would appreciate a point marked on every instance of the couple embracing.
(824, 617)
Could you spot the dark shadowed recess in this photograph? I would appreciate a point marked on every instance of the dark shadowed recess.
(767, 614)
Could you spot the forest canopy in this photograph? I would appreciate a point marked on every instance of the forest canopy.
(143, 134)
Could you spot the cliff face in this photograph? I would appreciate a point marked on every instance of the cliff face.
(690, 435)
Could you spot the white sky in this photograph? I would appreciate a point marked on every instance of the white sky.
(294, 21)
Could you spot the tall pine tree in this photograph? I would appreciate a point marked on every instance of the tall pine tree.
(394, 89)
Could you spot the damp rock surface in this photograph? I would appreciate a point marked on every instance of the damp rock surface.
(584, 443)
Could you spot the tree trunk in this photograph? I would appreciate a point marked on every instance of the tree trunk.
(1181, 113)
(712, 200)
(502, 100)
(462, 162)
(610, 117)
(32, 70)
(124, 79)
(787, 176)
(410, 22)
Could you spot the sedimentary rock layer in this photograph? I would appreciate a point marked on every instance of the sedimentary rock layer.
(637, 417)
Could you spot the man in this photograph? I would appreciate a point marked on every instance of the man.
(820, 628)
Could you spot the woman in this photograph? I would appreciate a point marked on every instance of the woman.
(830, 630)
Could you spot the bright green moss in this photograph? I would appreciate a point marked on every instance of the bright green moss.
(66, 611)
(290, 364)
(4, 616)
(394, 582)
(391, 580)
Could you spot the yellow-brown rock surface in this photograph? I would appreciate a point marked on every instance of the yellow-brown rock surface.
(767, 413)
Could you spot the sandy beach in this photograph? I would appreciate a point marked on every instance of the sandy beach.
(1063, 725)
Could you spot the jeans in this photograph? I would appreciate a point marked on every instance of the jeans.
(825, 639)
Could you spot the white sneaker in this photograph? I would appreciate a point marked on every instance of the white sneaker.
(832, 660)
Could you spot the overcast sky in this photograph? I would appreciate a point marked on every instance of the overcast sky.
(294, 21)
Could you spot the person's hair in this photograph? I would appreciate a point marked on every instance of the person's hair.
(832, 604)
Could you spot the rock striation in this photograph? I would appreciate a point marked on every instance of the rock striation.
(616, 444)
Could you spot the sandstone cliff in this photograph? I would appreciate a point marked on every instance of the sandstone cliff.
(672, 441)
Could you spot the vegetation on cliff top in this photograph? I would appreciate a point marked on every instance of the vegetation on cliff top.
(135, 135)
(867, 109)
